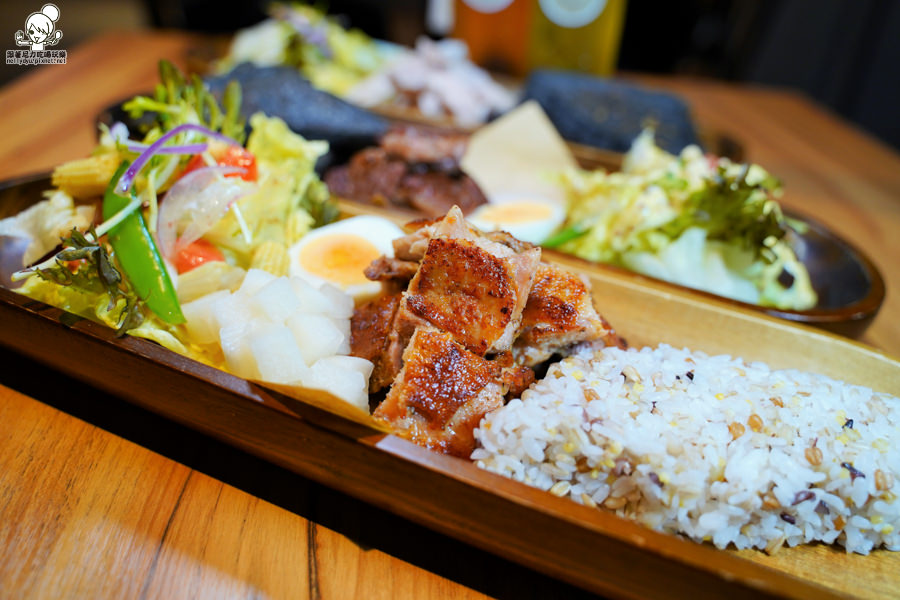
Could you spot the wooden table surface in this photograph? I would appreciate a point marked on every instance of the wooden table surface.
(102, 499)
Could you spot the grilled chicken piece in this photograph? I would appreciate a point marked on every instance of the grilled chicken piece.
(470, 295)
(373, 337)
(514, 244)
(516, 378)
(611, 338)
(559, 313)
(413, 245)
(395, 274)
(441, 394)
(469, 286)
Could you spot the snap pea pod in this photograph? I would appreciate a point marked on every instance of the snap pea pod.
(141, 262)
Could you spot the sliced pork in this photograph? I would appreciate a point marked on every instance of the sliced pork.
(413, 168)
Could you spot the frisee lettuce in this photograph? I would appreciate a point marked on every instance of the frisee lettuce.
(95, 280)
(705, 223)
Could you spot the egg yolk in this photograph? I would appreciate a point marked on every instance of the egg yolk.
(339, 258)
(508, 213)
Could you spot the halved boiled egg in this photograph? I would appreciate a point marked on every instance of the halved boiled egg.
(528, 219)
(339, 253)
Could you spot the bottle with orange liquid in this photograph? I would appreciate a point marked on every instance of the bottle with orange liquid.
(497, 32)
(515, 36)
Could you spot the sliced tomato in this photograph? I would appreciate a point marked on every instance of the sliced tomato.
(195, 254)
(229, 156)
(74, 265)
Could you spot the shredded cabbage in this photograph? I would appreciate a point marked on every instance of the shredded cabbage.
(702, 222)
(288, 186)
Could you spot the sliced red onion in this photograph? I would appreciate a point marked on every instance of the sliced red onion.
(204, 196)
(186, 149)
(127, 179)
(119, 132)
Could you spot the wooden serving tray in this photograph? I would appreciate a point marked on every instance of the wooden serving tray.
(584, 546)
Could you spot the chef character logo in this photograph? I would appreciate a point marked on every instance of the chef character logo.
(40, 29)
(39, 36)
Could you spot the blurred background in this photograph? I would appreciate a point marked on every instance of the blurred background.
(842, 53)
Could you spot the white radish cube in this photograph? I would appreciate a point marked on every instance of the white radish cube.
(350, 385)
(200, 321)
(232, 309)
(351, 363)
(276, 300)
(235, 341)
(343, 326)
(317, 336)
(278, 358)
(254, 280)
(340, 302)
(312, 300)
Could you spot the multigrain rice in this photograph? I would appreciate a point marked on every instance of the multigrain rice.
(708, 447)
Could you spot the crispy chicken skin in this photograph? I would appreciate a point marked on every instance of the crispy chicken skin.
(560, 312)
(466, 284)
(413, 245)
(441, 394)
(471, 287)
(465, 317)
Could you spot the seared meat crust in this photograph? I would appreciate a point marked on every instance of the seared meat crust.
(464, 290)
(432, 193)
(373, 337)
(370, 176)
(559, 313)
(441, 394)
(469, 315)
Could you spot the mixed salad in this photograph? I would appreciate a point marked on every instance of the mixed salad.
(333, 58)
(699, 221)
(182, 237)
(435, 78)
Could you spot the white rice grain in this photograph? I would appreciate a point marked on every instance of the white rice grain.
(709, 447)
